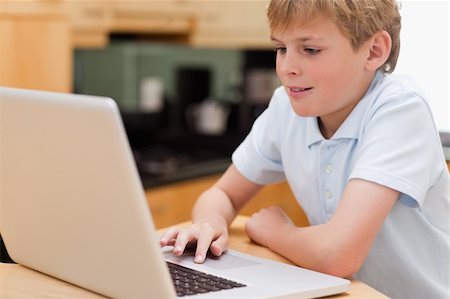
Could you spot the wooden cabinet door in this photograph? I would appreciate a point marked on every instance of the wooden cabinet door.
(35, 48)
(238, 24)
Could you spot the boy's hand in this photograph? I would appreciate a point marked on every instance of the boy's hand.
(264, 226)
(212, 235)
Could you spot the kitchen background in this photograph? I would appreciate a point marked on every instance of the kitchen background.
(189, 76)
(185, 109)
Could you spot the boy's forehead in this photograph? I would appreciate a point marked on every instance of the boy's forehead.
(304, 29)
(296, 21)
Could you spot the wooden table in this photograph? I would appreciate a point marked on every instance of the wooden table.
(19, 282)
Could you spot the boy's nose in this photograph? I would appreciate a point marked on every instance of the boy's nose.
(290, 66)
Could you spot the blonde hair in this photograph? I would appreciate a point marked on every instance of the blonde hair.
(358, 19)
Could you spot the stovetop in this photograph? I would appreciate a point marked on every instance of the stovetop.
(162, 164)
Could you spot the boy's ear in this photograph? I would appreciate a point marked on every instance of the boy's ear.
(379, 50)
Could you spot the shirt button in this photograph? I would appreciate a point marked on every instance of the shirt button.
(328, 195)
(328, 168)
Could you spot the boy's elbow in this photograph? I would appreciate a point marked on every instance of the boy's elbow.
(342, 265)
(339, 270)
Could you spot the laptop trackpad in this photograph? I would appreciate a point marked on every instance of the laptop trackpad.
(223, 262)
(228, 261)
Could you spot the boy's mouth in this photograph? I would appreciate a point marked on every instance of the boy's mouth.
(299, 89)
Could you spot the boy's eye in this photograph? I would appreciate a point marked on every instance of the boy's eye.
(312, 51)
(280, 50)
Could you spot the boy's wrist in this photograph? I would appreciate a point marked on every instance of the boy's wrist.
(214, 221)
(278, 236)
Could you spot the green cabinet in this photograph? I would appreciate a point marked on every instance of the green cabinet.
(118, 70)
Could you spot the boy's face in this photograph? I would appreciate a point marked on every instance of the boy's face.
(321, 72)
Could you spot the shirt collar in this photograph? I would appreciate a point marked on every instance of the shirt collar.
(313, 134)
(350, 128)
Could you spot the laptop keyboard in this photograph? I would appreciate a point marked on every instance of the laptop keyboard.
(190, 282)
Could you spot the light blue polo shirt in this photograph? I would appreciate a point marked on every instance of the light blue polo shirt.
(389, 138)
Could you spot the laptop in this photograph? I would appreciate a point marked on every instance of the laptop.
(73, 207)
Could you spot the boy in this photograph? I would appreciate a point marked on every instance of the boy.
(358, 147)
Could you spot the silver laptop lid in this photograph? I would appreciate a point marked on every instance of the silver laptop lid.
(51, 204)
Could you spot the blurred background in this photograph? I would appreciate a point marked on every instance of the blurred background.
(189, 76)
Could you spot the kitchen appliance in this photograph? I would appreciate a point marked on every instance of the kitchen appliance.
(208, 117)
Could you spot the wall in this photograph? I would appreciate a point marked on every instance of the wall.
(424, 53)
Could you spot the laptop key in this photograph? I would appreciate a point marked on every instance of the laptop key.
(190, 282)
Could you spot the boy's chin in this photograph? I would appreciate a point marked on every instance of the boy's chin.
(304, 112)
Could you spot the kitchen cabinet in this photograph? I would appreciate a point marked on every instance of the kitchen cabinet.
(37, 37)
(199, 23)
(35, 46)
(173, 203)
(153, 17)
(237, 24)
(90, 23)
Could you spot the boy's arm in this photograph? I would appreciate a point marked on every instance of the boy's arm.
(213, 212)
(338, 247)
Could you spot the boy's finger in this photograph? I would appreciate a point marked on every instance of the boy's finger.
(169, 236)
(220, 245)
(183, 238)
(203, 244)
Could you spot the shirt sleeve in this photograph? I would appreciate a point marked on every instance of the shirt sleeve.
(400, 148)
(258, 156)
